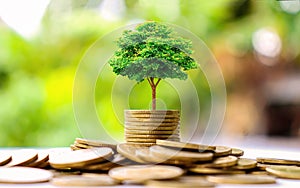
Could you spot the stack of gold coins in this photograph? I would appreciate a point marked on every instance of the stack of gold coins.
(144, 127)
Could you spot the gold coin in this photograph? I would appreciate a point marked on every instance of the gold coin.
(138, 140)
(167, 130)
(129, 151)
(24, 175)
(145, 154)
(44, 165)
(205, 171)
(84, 180)
(74, 148)
(79, 158)
(167, 153)
(151, 111)
(182, 182)
(291, 172)
(176, 162)
(237, 152)
(139, 132)
(144, 144)
(277, 161)
(245, 164)
(60, 173)
(4, 158)
(100, 167)
(43, 157)
(150, 120)
(223, 162)
(174, 139)
(82, 146)
(151, 127)
(261, 166)
(118, 158)
(157, 136)
(153, 116)
(221, 151)
(95, 143)
(184, 145)
(152, 124)
(145, 172)
(259, 172)
(23, 157)
(242, 179)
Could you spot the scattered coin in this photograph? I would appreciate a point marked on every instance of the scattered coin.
(74, 148)
(59, 173)
(79, 158)
(145, 154)
(292, 172)
(181, 182)
(223, 162)
(167, 153)
(95, 143)
(207, 171)
(5, 158)
(84, 180)
(23, 157)
(262, 166)
(242, 179)
(24, 175)
(277, 161)
(145, 172)
(43, 157)
(237, 152)
(82, 146)
(259, 172)
(222, 151)
(44, 165)
(129, 151)
(245, 164)
(185, 145)
(106, 165)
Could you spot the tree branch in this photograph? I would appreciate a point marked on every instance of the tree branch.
(152, 81)
(157, 82)
(149, 81)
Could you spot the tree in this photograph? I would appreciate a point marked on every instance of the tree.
(152, 51)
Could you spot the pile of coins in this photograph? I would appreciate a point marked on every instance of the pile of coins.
(165, 164)
(81, 143)
(144, 127)
(24, 157)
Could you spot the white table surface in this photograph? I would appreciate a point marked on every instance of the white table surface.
(253, 146)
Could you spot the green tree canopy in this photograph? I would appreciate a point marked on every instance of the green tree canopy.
(152, 51)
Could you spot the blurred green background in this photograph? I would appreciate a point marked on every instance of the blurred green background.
(254, 42)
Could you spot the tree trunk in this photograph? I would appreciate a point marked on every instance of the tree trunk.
(153, 97)
(153, 85)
